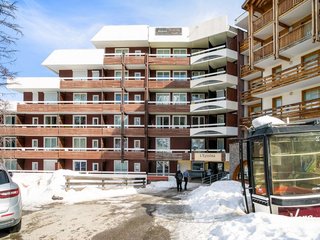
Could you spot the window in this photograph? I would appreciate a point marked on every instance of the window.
(162, 98)
(118, 74)
(79, 97)
(179, 98)
(79, 143)
(137, 76)
(137, 167)
(50, 96)
(198, 143)
(258, 167)
(95, 167)
(136, 144)
(79, 165)
(35, 143)
(276, 102)
(197, 166)
(137, 97)
(197, 74)
(95, 121)
(117, 98)
(120, 166)
(220, 93)
(179, 75)
(276, 72)
(121, 50)
(180, 52)
(117, 144)
(179, 121)
(50, 120)
(95, 143)
(137, 121)
(311, 94)
(117, 121)
(220, 118)
(95, 98)
(162, 121)
(198, 96)
(9, 142)
(50, 142)
(4, 177)
(79, 120)
(254, 109)
(49, 165)
(137, 52)
(162, 167)
(198, 120)
(163, 75)
(95, 74)
(35, 166)
(10, 120)
(35, 120)
(220, 143)
(163, 53)
(80, 75)
(10, 164)
(162, 144)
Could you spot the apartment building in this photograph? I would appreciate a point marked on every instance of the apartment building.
(146, 99)
(281, 60)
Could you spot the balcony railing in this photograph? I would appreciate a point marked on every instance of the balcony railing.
(244, 45)
(263, 51)
(294, 74)
(297, 111)
(246, 97)
(169, 59)
(128, 58)
(287, 5)
(262, 21)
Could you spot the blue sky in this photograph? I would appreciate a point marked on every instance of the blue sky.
(54, 24)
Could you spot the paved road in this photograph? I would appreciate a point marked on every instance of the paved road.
(140, 216)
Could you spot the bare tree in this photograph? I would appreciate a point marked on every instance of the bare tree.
(10, 32)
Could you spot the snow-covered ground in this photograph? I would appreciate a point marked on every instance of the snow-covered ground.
(217, 211)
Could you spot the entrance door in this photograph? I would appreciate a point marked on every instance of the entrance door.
(162, 168)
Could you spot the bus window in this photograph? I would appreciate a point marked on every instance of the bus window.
(258, 167)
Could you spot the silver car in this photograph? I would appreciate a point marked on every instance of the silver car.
(10, 202)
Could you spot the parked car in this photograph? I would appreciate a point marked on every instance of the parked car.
(10, 202)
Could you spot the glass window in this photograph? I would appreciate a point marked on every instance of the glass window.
(95, 143)
(220, 93)
(117, 143)
(95, 167)
(198, 143)
(137, 76)
(120, 166)
(4, 177)
(163, 144)
(137, 167)
(117, 98)
(162, 167)
(35, 120)
(180, 75)
(197, 166)
(95, 74)
(137, 121)
(121, 50)
(180, 52)
(79, 165)
(118, 74)
(95, 121)
(295, 163)
(220, 143)
(258, 167)
(163, 75)
(179, 98)
(50, 97)
(49, 165)
(198, 96)
(163, 53)
(79, 97)
(136, 143)
(179, 120)
(137, 97)
(117, 120)
(79, 120)
(311, 94)
(9, 142)
(10, 120)
(197, 74)
(50, 142)
(162, 121)
(95, 98)
(198, 121)
(80, 142)
(50, 120)
(163, 98)
(10, 164)
(35, 143)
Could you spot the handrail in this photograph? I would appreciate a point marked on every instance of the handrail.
(208, 125)
(208, 100)
(263, 20)
(208, 50)
(68, 125)
(168, 55)
(168, 126)
(116, 78)
(169, 102)
(125, 54)
(81, 102)
(164, 79)
(208, 75)
(168, 150)
(287, 5)
(73, 149)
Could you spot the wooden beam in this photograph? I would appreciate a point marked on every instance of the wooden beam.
(275, 29)
(258, 39)
(315, 20)
(284, 58)
(284, 25)
(251, 40)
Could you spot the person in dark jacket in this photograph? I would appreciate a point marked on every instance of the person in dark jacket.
(186, 176)
(179, 177)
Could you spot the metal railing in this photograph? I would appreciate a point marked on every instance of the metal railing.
(213, 178)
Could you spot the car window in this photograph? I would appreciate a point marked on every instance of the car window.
(3, 177)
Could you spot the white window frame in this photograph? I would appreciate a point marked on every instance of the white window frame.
(198, 96)
(180, 78)
(95, 143)
(163, 52)
(35, 143)
(160, 76)
(136, 144)
(125, 100)
(118, 74)
(51, 138)
(11, 140)
(137, 97)
(125, 145)
(83, 98)
(95, 74)
(124, 163)
(11, 117)
(50, 97)
(220, 117)
(138, 52)
(221, 140)
(137, 75)
(79, 116)
(10, 164)
(95, 98)
(199, 120)
(95, 167)
(167, 95)
(35, 120)
(35, 166)
(162, 149)
(80, 161)
(137, 121)
(137, 167)
(126, 119)
(79, 138)
(79, 75)
(159, 119)
(50, 117)
(220, 92)
(95, 121)
(202, 140)
(179, 116)
(179, 102)
(121, 50)
(177, 52)
(49, 161)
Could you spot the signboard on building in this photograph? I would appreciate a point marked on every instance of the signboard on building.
(168, 31)
(209, 157)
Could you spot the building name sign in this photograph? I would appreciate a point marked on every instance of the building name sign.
(168, 31)
(209, 157)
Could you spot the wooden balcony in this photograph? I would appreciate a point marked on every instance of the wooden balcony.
(263, 52)
(68, 108)
(248, 73)
(169, 132)
(116, 60)
(168, 108)
(264, 20)
(170, 60)
(70, 84)
(287, 5)
(295, 112)
(168, 84)
(130, 108)
(168, 156)
(244, 45)
(247, 98)
(134, 84)
(297, 73)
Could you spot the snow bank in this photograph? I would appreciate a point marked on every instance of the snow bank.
(217, 200)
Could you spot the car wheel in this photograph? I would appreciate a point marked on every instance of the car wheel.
(16, 228)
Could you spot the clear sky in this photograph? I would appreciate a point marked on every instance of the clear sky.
(58, 24)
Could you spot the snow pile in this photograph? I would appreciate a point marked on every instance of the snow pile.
(162, 185)
(260, 121)
(37, 189)
(217, 200)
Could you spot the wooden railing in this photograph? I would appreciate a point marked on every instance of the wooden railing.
(244, 45)
(298, 34)
(263, 20)
(263, 52)
(246, 70)
(287, 5)
(297, 111)
(246, 97)
(286, 77)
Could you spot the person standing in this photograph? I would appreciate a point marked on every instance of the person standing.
(179, 177)
(186, 176)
